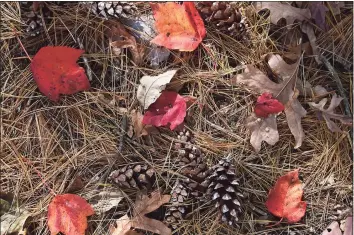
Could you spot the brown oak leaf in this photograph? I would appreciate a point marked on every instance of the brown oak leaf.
(285, 92)
(329, 114)
(262, 130)
(120, 38)
(280, 10)
(138, 127)
(143, 205)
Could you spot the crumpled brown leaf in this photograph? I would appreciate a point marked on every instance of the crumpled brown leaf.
(143, 205)
(329, 114)
(138, 127)
(308, 29)
(262, 130)
(285, 92)
(280, 10)
(120, 38)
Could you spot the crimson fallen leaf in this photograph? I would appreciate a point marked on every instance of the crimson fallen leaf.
(170, 107)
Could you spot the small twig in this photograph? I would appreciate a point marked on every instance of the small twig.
(88, 68)
(339, 84)
(123, 132)
(23, 48)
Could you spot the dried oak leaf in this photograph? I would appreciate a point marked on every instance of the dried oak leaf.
(329, 114)
(143, 205)
(151, 86)
(284, 200)
(179, 26)
(170, 107)
(55, 71)
(308, 29)
(266, 105)
(332, 229)
(67, 214)
(120, 39)
(140, 129)
(318, 13)
(262, 130)
(285, 92)
(280, 10)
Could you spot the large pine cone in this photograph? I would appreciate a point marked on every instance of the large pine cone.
(222, 189)
(138, 176)
(191, 163)
(178, 208)
(112, 9)
(227, 17)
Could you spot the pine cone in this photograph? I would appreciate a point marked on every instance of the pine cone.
(33, 18)
(134, 176)
(112, 9)
(191, 163)
(178, 209)
(227, 17)
(222, 189)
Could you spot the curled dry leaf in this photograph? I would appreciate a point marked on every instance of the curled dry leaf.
(329, 114)
(318, 13)
(139, 128)
(14, 224)
(143, 205)
(151, 86)
(67, 213)
(284, 200)
(262, 130)
(280, 10)
(285, 92)
(308, 29)
(332, 229)
(120, 39)
(179, 26)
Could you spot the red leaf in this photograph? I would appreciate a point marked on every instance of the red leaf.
(67, 214)
(179, 26)
(56, 72)
(170, 107)
(284, 200)
(266, 105)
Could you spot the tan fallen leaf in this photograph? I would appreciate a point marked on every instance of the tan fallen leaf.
(308, 29)
(329, 114)
(332, 229)
(143, 205)
(120, 38)
(285, 92)
(151, 86)
(14, 224)
(262, 130)
(138, 127)
(280, 10)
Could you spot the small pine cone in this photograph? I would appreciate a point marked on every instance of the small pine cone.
(33, 18)
(222, 189)
(191, 163)
(134, 176)
(178, 209)
(227, 17)
(113, 9)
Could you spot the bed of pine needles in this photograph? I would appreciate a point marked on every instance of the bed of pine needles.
(45, 145)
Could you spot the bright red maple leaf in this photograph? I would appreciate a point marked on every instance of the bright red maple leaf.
(284, 200)
(67, 214)
(56, 72)
(170, 107)
(179, 26)
(266, 105)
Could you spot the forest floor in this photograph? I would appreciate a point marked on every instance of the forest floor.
(46, 145)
